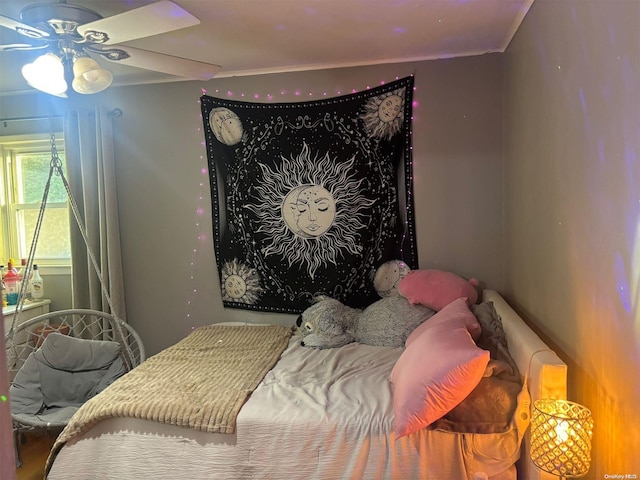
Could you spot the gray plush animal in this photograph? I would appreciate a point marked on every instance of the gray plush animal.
(387, 322)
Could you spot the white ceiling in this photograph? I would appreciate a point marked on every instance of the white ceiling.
(249, 37)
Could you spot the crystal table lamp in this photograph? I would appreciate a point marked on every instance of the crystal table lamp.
(561, 437)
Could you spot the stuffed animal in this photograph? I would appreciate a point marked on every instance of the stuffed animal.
(387, 322)
(437, 288)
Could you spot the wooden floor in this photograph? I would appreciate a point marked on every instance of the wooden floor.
(34, 452)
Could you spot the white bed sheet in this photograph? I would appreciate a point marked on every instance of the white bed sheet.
(308, 419)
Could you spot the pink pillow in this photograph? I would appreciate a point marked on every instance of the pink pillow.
(456, 309)
(437, 370)
(436, 288)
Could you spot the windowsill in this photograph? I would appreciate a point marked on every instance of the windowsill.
(28, 305)
(54, 269)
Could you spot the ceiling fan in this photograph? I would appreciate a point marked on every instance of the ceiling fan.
(70, 35)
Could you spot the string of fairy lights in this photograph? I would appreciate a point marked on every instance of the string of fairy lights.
(202, 201)
(200, 209)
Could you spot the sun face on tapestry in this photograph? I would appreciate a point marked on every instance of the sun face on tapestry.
(240, 283)
(309, 212)
(383, 115)
(307, 197)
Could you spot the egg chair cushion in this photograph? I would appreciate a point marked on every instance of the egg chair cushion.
(62, 374)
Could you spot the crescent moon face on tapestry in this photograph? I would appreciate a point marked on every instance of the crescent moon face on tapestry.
(226, 126)
(309, 210)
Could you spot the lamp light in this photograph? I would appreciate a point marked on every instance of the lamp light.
(46, 73)
(561, 437)
(89, 76)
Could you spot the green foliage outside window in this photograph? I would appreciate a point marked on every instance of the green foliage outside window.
(34, 171)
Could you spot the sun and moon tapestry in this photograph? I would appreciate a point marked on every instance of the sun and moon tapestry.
(310, 198)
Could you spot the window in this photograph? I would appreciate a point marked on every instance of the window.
(26, 161)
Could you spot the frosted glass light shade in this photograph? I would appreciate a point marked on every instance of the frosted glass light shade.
(89, 76)
(46, 74)
(561, 437)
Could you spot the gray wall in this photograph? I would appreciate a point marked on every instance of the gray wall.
(57, 288)
(170, 273)
(572, 205)
(171, 277)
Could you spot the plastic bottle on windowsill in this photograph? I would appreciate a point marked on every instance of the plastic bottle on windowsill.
(37, 285)
(24, 277)
(11, 284)
(4, 292)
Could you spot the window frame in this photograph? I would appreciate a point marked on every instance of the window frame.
(11, 233)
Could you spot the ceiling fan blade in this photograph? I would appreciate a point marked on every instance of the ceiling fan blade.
(152, 19)
(22, 28)
(20, 46)
(159, 62)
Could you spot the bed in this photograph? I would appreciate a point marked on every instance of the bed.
(315, 414)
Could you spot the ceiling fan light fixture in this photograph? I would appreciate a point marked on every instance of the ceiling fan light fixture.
(76, 35)
(89, 77)
(46, 74)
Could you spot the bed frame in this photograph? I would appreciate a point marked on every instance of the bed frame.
(546, 378)
(546, 373)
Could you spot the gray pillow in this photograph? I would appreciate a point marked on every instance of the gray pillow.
(490, 406)
(72, 354)
(494, 339)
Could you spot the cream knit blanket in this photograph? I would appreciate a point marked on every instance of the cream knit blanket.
(200, 382)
